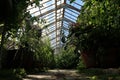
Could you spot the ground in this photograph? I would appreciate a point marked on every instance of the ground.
(87, 74)
(56, 75)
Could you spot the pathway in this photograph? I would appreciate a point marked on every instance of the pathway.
(57, 75)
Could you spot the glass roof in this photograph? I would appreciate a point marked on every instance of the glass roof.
(58, 14)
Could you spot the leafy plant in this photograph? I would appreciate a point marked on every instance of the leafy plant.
(20, 73)
(99, 17)
(98, 27)
(80, 65)
(67, 58)
(12, 17)
(11, 74)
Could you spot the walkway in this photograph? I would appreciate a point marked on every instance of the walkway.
(57, 75)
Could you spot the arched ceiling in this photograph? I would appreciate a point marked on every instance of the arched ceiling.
(58, 14)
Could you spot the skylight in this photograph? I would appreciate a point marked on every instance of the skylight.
(58, 15)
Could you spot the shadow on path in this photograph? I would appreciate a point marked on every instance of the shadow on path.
(57, 75)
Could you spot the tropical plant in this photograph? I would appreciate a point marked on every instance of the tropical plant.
(16, 32)
(67, 58)
(98, 27)
(43, 53)
(11, 18)
(103, 21)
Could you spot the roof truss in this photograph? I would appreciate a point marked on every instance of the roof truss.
(59, 17)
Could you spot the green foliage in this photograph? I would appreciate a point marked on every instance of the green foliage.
(99, 74)
(98, 13)
(43, 53)
(12, 74)
(28, 39)
(20, 72)
(12, 17)
(40, 46)
(80, 65)
(67, 58)
(99, 24)
(97, 28)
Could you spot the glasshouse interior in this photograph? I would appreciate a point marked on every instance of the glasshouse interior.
(60, 40)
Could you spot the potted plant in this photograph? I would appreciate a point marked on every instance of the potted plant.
(98, 36)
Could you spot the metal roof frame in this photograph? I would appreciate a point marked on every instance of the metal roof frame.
(56, 17)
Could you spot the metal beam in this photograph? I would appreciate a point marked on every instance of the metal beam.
(51, 32)
(54, 30)
(65, 28)
(70, 14)
(65, 19)
(62, 18)
(76, 3)
(63, 13)
(73, 11)
(41, 3)
(56, 42)
(70, 18)
(49, 14)
(72, 7)
(43, 8)
(54, 22)
(52, 17)
(56, 46)
(59, 7)
(66, 23)
(55, 37)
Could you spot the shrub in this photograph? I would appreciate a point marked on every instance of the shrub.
(12, 74)
(20, 72)
(80, 65)
(67, 58)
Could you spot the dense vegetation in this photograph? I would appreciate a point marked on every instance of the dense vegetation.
(67, 59)
(22, 50)
(95, 35)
